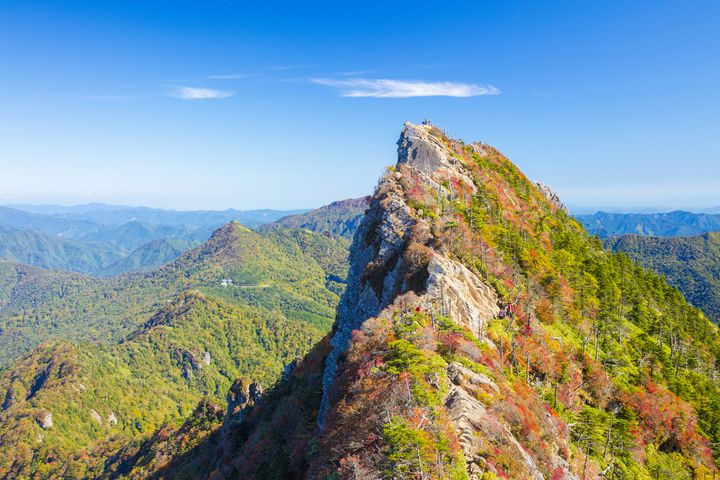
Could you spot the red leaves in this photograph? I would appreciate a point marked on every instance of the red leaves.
(598, 381)
(558, 473)
(366, 368)
(663, 417)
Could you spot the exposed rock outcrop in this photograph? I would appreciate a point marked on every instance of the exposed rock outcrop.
(454, 351)
(460, 294)
(550, 194)
(45, 419)
(242, 396)
(96, 416)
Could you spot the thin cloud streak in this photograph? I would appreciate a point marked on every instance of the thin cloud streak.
(193, 93)
(385, 88)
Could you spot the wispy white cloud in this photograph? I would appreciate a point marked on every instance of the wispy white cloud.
(193, 93)
(384, 88)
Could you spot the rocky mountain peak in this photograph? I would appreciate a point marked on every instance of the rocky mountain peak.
(484, 335)
(452, 242)
(392, 253)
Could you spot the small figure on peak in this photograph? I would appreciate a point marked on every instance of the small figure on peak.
(427, 122)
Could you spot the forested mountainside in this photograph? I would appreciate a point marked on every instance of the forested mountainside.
(271, 270)
(32, 247)
(692, 264)
(103, 240)
(483, 334)
(670, 224)
(339, 218)
(234, 311)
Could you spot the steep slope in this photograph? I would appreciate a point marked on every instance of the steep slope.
(339, 218)
(670, 224)
(236, 264)
(692, 264)
(483, 334)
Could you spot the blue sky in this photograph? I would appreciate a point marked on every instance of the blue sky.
(211, 104)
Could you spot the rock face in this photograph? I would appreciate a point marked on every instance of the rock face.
(45, 420)
(242, 395)
(460, 294)
(380, 240)
(384, 267)
(206, 359)
(96, 416)
(551, 195)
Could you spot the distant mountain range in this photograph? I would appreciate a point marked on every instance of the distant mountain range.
(669, 224)
(585, 210)
(103, 240)
(116, 215)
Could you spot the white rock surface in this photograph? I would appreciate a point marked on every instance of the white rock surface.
(96, 416)
(460, 294)
(45, 420)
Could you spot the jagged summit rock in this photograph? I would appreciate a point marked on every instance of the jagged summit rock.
(381, 268)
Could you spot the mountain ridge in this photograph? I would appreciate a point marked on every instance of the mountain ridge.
(483, 334)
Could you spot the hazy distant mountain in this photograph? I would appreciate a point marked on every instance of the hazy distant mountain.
(49, 224)
(118, 215)
(96, 239)
(150, 255)
(129, 236)
(670, 224)
(50, 209)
